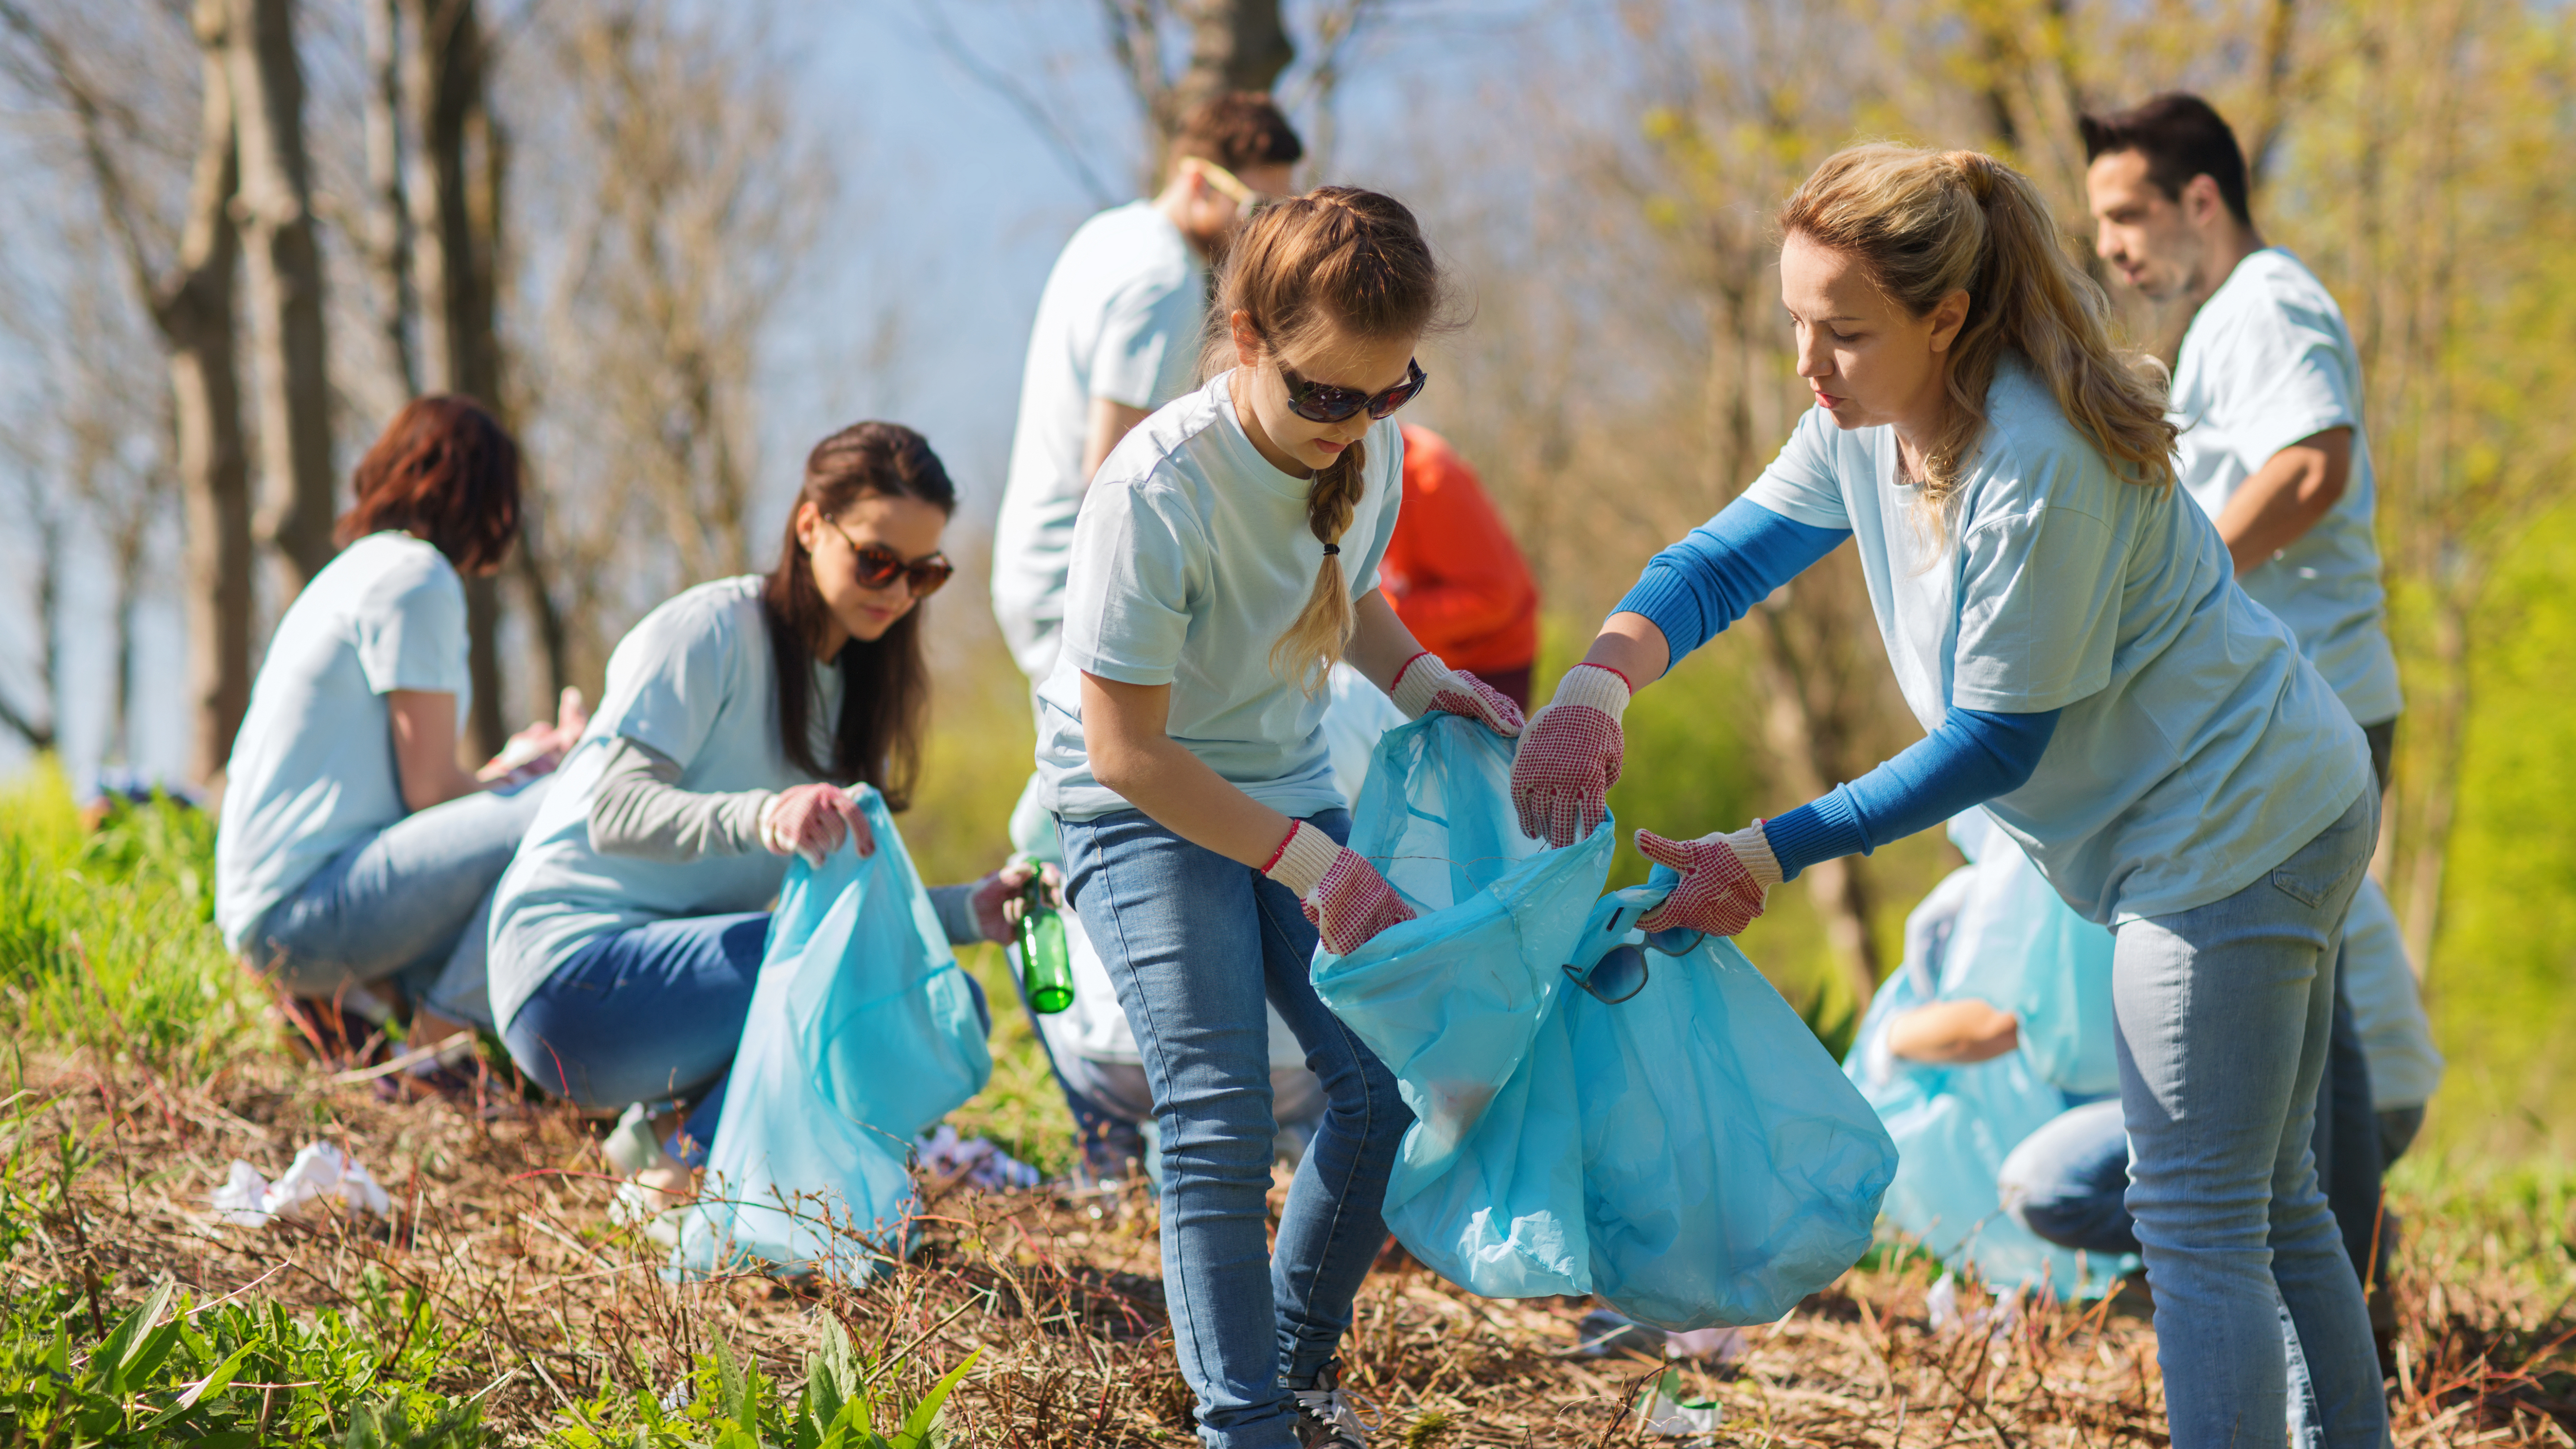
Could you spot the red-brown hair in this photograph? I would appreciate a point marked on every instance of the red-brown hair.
(446, 472)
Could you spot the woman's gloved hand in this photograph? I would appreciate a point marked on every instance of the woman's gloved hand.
(810, 820)
(1725, 878)
(1425, 684)
(1343, 894)
(1570, 757)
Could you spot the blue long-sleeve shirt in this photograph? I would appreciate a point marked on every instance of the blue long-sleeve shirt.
(1695, 588)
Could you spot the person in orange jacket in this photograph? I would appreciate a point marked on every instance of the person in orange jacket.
(1453, 573)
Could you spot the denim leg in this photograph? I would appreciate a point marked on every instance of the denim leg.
(397, 898)
(2068, 1182)
(1194, 944)
(2225, 1012)
(1332, 1228)
(643, 1014)
(2346, 1142)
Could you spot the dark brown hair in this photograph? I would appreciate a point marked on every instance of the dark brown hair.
(1236, 130)
(1335, 261)
(885, 682)
(2181, 136)
(446, 472)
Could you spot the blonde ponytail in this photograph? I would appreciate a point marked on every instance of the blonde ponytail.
(1336, 262)
(1929, 223)
(1322, 630)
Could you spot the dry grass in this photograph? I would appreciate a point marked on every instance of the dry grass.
(501, 1220)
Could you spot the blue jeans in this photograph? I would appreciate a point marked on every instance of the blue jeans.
(2225, 1012)
(412, 902)
(651, 1012)
(2068, 1182)
(1195, 943)
(648, 1014)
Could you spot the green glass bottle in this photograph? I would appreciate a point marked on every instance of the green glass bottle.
(1046, 969)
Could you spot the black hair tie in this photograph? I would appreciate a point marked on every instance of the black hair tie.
(1331, 549)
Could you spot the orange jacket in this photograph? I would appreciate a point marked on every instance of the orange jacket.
(1452, 572)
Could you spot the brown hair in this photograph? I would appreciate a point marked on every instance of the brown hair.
(1928, 223)
(885, 682)
(1236, 130)
(1337, 261)
(2181, 136)
(444, 471)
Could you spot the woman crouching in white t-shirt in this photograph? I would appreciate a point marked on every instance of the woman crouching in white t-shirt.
(2068, 629)
(1226, 555)
(354, 852)
(629, 932)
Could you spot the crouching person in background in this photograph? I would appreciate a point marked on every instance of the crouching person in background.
(356, 858)
(629, 932)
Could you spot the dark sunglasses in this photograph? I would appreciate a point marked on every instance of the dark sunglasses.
(1616, 968)
(1321, 402)
(879, 566)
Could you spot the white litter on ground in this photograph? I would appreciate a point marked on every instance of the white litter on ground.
(1663, 1411)
(1941, 1305)
(1714, 1345)
(322, 1181)
(973, 1160)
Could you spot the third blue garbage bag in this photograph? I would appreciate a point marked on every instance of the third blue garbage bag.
(862, 1033)
(1692, 1155)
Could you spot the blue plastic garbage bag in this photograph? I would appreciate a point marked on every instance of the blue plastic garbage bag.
(863, 1032)
(1691, 1156)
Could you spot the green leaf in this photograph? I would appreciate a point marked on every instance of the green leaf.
(916, 1430)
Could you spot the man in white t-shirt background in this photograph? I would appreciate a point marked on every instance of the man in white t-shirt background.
(1117, 335)
(2267, 392)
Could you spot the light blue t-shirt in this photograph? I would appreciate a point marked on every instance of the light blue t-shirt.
(1191, 559)
(2196, 750)
(695, 681)
(312, 769)
(2268, 361)
(1119, 320)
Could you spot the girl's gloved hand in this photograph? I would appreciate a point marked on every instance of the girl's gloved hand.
(1725, 878)
(810, 820)
(1570, 757)
(1425, 684)
(1343, 894)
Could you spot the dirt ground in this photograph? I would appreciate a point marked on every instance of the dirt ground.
(500, 1217)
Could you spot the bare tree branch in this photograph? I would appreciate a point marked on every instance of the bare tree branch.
(934, 19)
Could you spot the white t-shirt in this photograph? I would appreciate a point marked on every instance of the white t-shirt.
(313, 767)
(2268, 361)
(2196, 750)
(1191, 559)
(695, 680)
(1119, 320)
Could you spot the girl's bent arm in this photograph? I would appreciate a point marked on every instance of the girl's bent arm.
(1125, 732)
(424, 729)
(1380, 645)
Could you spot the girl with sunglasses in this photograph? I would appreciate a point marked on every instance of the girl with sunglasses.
(2067, 626)
(629, 930)
(1226, 556)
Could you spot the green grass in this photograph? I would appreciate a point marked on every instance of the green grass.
(107, 938)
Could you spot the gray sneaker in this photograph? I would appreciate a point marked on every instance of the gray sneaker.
(1325, 1416)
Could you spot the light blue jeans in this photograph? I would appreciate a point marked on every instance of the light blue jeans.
(1194, 943)
(2225, 1014)
(412, 902)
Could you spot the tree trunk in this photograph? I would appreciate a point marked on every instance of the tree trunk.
(1235, 45)
(455, 223)
(389, 244)
(293, 371)
(195, 313)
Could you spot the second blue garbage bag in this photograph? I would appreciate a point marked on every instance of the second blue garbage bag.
(1692, 1156)
(862, 1033)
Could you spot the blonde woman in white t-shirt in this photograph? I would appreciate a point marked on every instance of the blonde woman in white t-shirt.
(1226, 556)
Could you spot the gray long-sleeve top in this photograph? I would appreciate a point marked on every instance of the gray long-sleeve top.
(639, 809)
